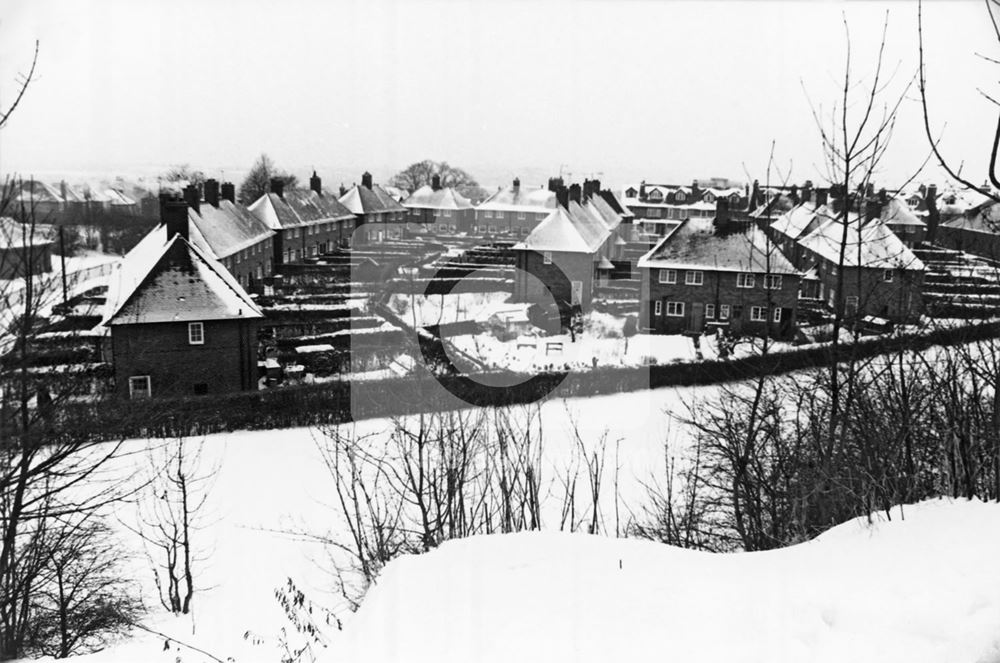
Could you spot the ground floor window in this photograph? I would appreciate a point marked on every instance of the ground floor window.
(724, 312)
(777, 315)
(710, 311)
(658, 308)
(675, 309)
(139, 387)
(758, 313)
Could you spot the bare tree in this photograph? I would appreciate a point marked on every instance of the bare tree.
(171, 516)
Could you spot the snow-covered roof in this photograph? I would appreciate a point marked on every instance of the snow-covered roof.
(171, 280)
(897, 212)
(801, 220)
(426, 197)
(38, 192)
(520, 199)
(694, 244)
(986, 220)
(359, 199)
(568, 230)
(226, 229)
(871, 245)
(17, 235)
(298, 207)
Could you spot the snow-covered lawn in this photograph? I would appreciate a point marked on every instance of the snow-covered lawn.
(926, 588)
(427, 310)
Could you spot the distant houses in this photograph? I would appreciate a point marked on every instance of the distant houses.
(25, 249)
(659, 207)
(439, 209)
(516, 210)
(306, 223)
(180, 324)
(705, 275)
(379, 216)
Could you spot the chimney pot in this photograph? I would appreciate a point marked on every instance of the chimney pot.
(229, 192)
(193, 197)
(517, 184)
(316, 184)
(366, 180)
(174, 215)
(436, 182)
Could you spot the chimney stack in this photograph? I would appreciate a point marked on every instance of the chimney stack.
(574, 193)
(883, 196)
(436, 182)
(555, 183)
(174, 215)
(366, 180)
(212, 192)
(343, 190)
(642, 190)
(695, 191)
(562, 196)
(933, 215)
(229, 192)
(755, 198)
(807, 190)
(872, 209)
(316, 184)
(517, 184)
(193, 197)
(821, 197)
(278, 187)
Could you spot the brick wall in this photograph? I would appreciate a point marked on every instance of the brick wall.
(462, 219)
(982, 244)
(897, 299)
(518, 224)
(252, 264)
(559, 275)
(14, 261)
(718, 289)
(227, 361)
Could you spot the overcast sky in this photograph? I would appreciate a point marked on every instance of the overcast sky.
(661, 90)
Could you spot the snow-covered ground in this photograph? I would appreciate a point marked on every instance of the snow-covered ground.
(926, 588)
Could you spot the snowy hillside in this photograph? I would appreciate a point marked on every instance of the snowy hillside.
(926, 588)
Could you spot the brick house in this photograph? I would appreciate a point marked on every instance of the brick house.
(180, 324)
(439, 209)
(659, 207)
(705, 275)
(231, 234)
(306, 223)
(897, 215)
(378, 214)
(24, 250)
(564, 255)
(880, 276)
(515, 211)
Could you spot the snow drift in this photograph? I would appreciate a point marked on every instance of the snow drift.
(923, 586)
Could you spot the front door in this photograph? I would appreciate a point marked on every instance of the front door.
(697, 321)
(577, 293)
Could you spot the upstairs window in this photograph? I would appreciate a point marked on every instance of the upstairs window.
(887, 275)
(668, 276)
(547, 258)
(772, 281)
(196, 333)
(744, 280)
(694, 277)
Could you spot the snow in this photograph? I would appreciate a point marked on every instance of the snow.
(926, 588)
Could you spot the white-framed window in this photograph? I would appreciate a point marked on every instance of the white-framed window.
(499, 215)
(682, 213)
(772, 281)
(139, 386)
(675, 309)
(710, 311)
(196, 333)
(671, 213)
(491, 229)
(521, 216)
(653, 213)
(658, 307)
(680, 197)
(547, 257)
(887, 275)
(487, 214)
(447, 213)
(260, 272)
(758, 314)
(694, 277)
(744, 280)
(668, 276)
(776, 315)
(524, 232)
(723, 311)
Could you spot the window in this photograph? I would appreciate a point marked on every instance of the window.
(139, 387)
(487, 214)
(659, 307)
(744, 280)
(491, 229)
(776, 315)
(437, 213)
(524, 232)
(852, 304)
(887, 275)
(521, 216)
(772, 281)
(414, 212)
(260, 272)
(694, 277)
(758, 314)
(547, 257)
(675, 309)
(447, 213)
(671, 213)
(710, 311)
(653, 213)
(668, 276)
(499, 215)
(680, 197)
(723, 311)
(196, 333)
(682, 213)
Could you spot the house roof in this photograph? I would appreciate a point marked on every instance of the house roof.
(521, 199)
(871, 245)
(226, 229)
(362, 200)
(986, 220)
(568, 230)
(897, 212)
(38, 192)
(695, 244)
(171, 280)
(17, 235)
(801, 220)
(445, 198)
(118, 197)
(602, 210)
(298, 207)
